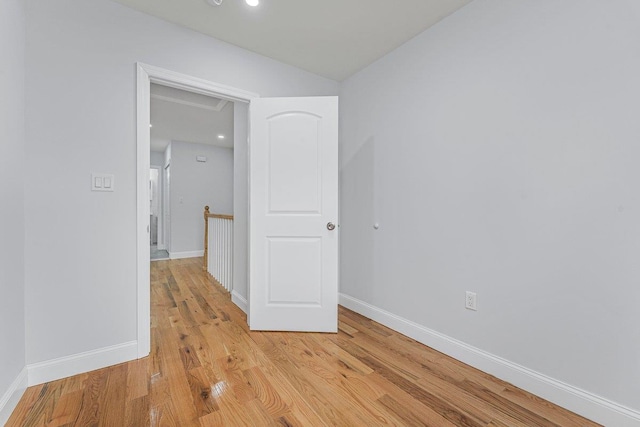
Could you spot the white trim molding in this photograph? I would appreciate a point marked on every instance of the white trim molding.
(217, 108)
(240, 301)
(188, 83)
(186, 254)
(63, 367)
(572, 398)
(147, 74)
(12, 396)
(143, 253)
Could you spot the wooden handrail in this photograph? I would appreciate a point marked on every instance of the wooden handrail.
(208, 215)
(219, 216)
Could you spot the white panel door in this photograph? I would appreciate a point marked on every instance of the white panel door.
(293, 155)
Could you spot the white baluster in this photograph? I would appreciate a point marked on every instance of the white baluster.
(223, 253)
(218, 266)
(211, 257)
(230, 252)
(215, 248)
(220, 256)
(226, 254)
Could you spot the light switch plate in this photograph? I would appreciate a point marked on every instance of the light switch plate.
(102, 182)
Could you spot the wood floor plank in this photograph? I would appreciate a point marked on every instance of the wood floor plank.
(406, 416)
(550, 411)
(90, 411)
(407, 403)
(164, 415)
(266, 393)
(66, 410)
(138, 412)
(113, 397)
(138, 378)
(206, 368)
(25, 408)
(214, 419)
(179, 388)
(201, 392)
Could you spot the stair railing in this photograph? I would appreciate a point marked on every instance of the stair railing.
(218, 247)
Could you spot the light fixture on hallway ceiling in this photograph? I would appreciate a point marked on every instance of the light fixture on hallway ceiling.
(219, 2)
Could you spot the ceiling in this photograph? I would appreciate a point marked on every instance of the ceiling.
(177, 115)
(332, 38)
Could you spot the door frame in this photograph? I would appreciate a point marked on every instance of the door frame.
(145, 75)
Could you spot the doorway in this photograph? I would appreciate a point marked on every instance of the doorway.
(146, 75)
(192, 138)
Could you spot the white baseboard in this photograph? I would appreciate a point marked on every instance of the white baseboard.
(67, 366)
(12, 396)
(240, 301)
(188, 254)
(575, 399)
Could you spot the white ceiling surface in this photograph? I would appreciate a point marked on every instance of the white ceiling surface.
(332, 38)
(177, 115)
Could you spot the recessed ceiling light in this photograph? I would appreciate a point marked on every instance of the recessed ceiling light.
(253, 2)
(220, 136)
(150, 125)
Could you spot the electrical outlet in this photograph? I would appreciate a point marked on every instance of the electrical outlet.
(471, 301)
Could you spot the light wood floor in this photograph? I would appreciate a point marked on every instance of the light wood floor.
(207, 369)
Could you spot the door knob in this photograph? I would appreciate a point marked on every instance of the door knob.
(330, 226)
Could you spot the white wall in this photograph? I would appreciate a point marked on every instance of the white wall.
(157, 159)
(195, 185)
(499, 153)
(81, 261)
(240, 203)
(12, 164)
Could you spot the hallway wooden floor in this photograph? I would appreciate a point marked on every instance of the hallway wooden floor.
(207, 369)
